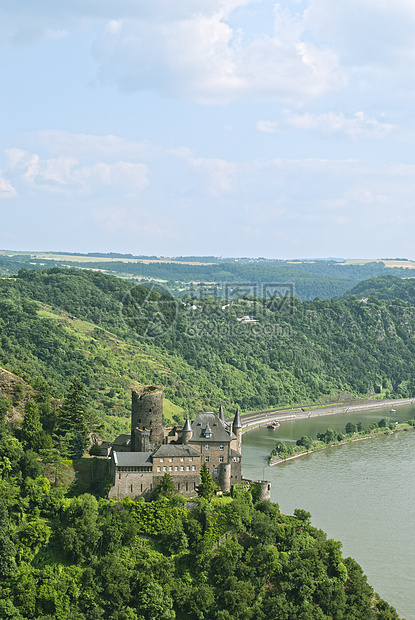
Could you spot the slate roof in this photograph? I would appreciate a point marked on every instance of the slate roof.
(222, 415)
(217, 428)
(133, 459)
(122, 440)
(237, 420)
(171, 449)
(187, 427)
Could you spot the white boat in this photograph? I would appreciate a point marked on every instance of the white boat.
(393, 410)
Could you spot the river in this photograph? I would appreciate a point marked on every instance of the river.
(361, 493)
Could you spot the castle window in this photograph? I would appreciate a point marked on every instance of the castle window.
(182, 458)
(206, 446)
(161, 460)
(221, 447)
(182, 468)
(171, 468)
(131, 488)
(187, 467)
(190, 458)
(171, 459)
(221, 459)
(164, 468)
(207, 459)
(193, 467)
(158, 468)
(176, 468)
(187, 486)
(215, 471)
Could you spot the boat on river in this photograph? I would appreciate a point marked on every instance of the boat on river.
(393, 410)
(275, 424)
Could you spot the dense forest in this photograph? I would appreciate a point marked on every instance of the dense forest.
(311, 279)
(386, 287)
(78, 340)
(60, 324)
(72, 555)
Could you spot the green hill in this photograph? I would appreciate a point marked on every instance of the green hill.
(385, 287)
(60, 324)
(311, 278)
(68, 555)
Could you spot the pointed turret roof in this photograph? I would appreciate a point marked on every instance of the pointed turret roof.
(237, 420)
(187, 427)
(222, 415)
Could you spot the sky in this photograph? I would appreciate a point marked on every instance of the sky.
(208, 127)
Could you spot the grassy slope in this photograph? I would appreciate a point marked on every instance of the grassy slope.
(134, 365)
(332, 347)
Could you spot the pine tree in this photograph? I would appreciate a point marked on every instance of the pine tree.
(165, 487)
(206, 487)
(7, 549)
(32, 431)
(74, 411)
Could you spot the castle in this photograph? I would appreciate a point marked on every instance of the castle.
(139, 460)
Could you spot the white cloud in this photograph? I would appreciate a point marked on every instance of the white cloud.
(357, 126)
(190, 48)
(130, 177)
(65, 174)
(117, 220)
(25, 22)
(267, 126)
(6, 188)
(87, 146)
(202, 57)
(220, 173)
(365, 32)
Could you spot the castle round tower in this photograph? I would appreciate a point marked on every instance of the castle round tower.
(147, 432)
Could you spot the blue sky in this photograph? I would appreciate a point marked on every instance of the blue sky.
(224, 127)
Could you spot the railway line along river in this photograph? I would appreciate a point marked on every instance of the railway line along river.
(361, 493)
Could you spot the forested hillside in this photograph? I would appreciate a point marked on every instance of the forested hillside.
(80, 339)
(386, 287)
(61, 324)
(311, 279)
(70, 556)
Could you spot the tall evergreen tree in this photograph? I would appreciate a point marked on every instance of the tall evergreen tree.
(74, 411)
(32, 431)
(206, 487)
(7, 549)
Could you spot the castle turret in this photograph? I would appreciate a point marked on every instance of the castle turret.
(237, 430)
(222, 415)
(147, 419)
(225, 473)
(187, 431)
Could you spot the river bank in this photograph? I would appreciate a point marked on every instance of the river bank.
(300, 414)
(379, 432)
